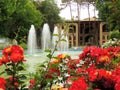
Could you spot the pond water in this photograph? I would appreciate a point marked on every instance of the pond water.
(34, 60)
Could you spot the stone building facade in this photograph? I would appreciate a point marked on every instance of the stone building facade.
(81, 33)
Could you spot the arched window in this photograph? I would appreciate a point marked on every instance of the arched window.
(105, 28)
(72, 29)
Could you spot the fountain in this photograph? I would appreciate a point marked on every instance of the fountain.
(63, 45)
(39, 57)
(46, 37)
(55, 38)
(32, 43)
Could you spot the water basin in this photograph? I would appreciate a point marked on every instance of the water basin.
(34, 60)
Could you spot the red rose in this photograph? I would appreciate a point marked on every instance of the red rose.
(32, 81)
(117, 86)
(17, 49)
(16, 57)
(53, 72)
(79, 84)
(6, 51)
(2, 83)
(5, 59)
(16, 84)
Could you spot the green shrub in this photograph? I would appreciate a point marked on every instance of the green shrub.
(23, 45)
(114, 34)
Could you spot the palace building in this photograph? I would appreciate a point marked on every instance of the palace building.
(86, 32)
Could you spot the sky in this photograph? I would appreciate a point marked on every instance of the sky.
(65, 13)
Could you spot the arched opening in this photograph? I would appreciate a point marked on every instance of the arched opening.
(105, 28)
(88, 30)
(89, 40)
(72, 29)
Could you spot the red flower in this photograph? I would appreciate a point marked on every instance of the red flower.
(16, 84)
(61, 56)
(95, 52)
(79, 84)
(5, 59)
(72, 64)
(97, 89)
(103, 59)
(101, 74)
(92, 75)
(6, 51)
(1, 88)
(17, 49)
(1, 62)
(117, 86)
(14, 52)
(16, 57)
(2, 83)
(11, 78)
(32, 81)
(71, 79)
(53, 73)
(108, 83)
(79, 70)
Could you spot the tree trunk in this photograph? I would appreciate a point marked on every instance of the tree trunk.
(78, 9)
(70, 9)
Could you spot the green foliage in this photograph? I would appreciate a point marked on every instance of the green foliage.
(109, 11)
(114, 34)
(16, 16)
(50, 12)
(111, 42)
(44, 76)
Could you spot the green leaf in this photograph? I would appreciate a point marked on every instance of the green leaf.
(71, 28)
(42, 65)
(9, 72)
(22, 77)
(55, 35)
(49, 56)
(2, 72)
(48, 50)
(23, 87)
(63, 40)
(9, 64)
(19, 68)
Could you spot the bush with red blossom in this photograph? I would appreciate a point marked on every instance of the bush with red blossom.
(100, 68)
(2, 84)
(13, 58)
(79, 84)
(95, 69)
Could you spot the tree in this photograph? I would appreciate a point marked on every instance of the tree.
(50, 12)
(114, 34)
(86, 3)
(109, 11)
(16, 17)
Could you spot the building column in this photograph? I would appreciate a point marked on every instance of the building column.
(77, 35)
(101, 32)
(100, 42)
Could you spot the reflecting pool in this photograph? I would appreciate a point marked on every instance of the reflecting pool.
(34, 60)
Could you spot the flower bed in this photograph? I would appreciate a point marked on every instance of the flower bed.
(95, 69)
